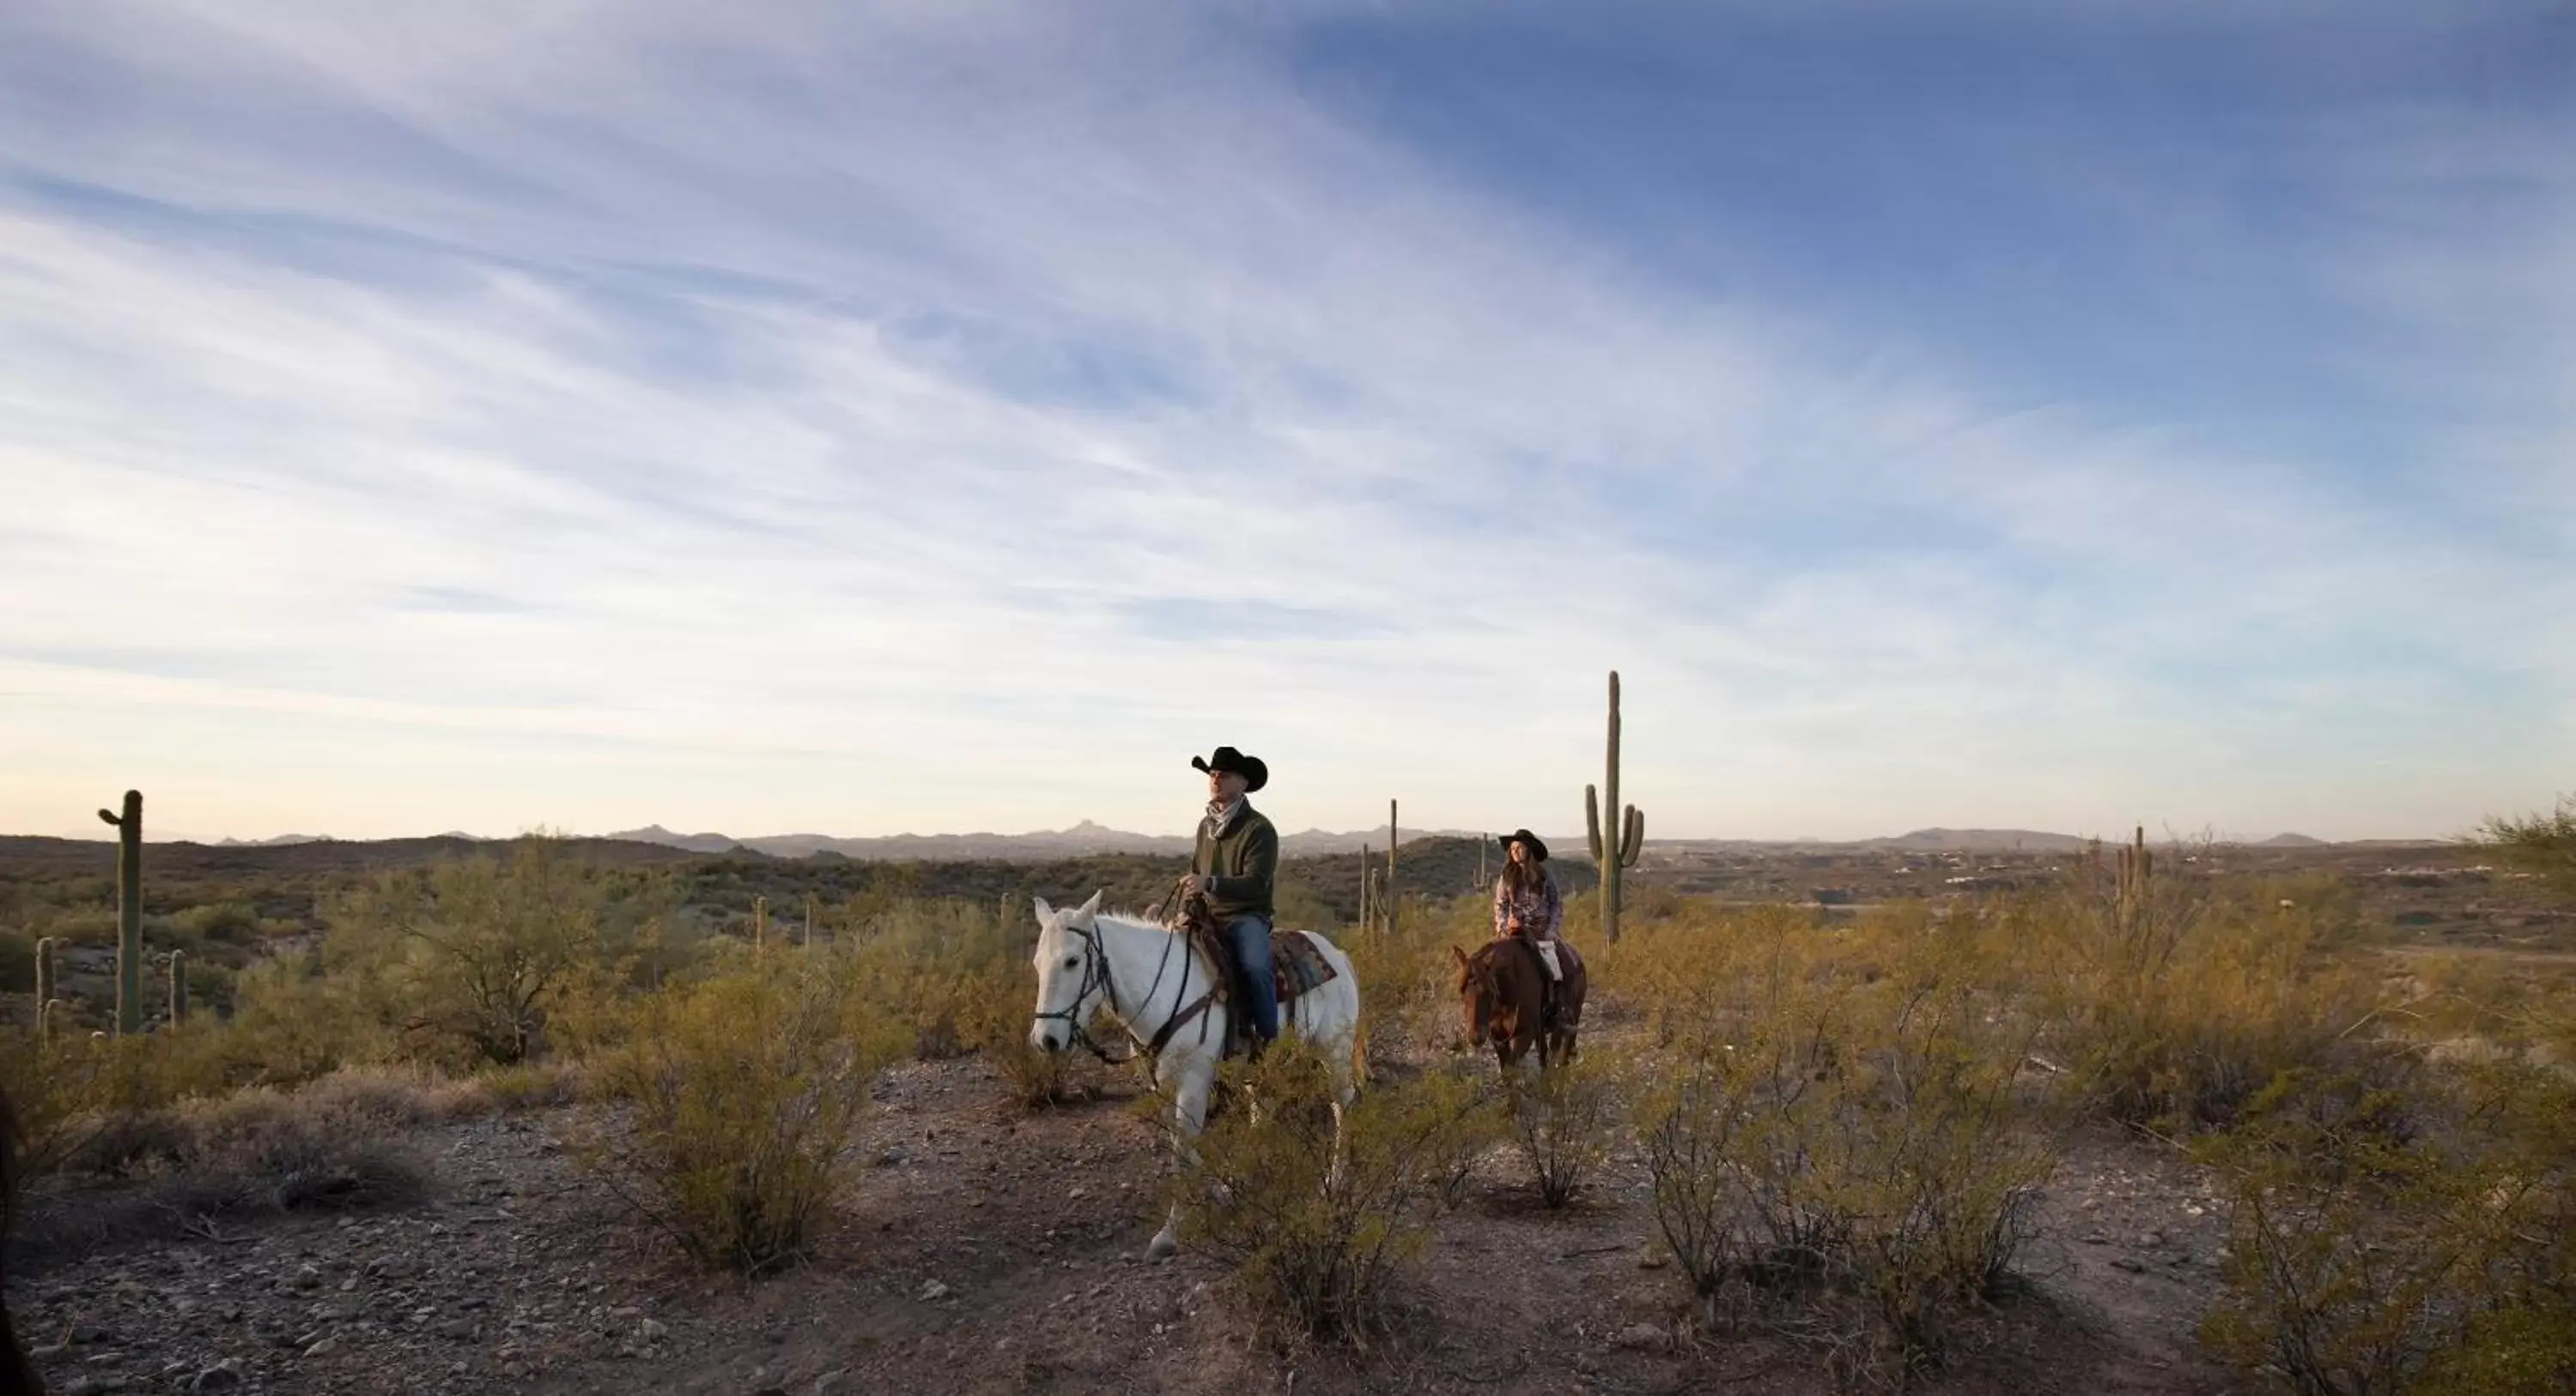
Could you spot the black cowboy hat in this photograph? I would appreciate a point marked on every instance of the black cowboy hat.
(1255, 775)
(1537, 845)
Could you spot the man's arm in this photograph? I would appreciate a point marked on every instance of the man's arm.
(1261, 868)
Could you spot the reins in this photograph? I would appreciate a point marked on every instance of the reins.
(1097, 977)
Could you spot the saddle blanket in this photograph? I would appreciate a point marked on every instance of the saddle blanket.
(1296, 965)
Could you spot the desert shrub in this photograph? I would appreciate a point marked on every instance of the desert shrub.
(953, 977)
(950, 973)
(462, 956)
(2173, 998)
(1564, 1121)
(1843, 1138)
(2523, 1348)
(2415, 1237)
(2541, 844)
(291, 1024)
(1407, 979)
(512, 1090)
(746, 1094)
(1314, 1245)
(232, 921)
(1036, 1079)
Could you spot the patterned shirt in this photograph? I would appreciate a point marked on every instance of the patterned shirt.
(1539, 907)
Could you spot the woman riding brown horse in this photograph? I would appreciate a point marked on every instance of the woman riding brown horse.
(1500, 998)
(1525, 987)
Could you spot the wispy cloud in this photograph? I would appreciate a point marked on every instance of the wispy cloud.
(954, 415)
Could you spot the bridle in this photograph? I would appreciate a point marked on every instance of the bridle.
(1096, 978)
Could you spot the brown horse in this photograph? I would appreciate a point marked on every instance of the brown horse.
(1499, 997)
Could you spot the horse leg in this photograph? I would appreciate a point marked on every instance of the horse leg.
(1189, 1113)
(1345, 1090)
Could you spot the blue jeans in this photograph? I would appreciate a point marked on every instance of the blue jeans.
(1249, 938)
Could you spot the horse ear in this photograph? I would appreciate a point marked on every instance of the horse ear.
(1459, 955)
(1092, 907)
(1045, 912)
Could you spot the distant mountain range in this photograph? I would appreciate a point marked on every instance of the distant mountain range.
(1083, 840)
(1088, 839)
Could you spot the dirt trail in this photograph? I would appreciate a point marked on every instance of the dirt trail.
(989, 1251)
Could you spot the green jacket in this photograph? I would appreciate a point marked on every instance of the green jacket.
(1244, 861)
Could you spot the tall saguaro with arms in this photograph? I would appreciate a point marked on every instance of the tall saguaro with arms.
(129, 913)
(1617, 848)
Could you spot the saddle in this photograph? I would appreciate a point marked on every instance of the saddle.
(1551, 989)
(1296, 966)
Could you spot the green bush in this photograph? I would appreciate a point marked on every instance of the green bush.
(1315, 1245)
(2390, 1239)
(1563, 1122)
(747, 1095)
(1843, 1138)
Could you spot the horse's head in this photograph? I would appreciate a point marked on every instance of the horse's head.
(1071, 972)
(1477, 996)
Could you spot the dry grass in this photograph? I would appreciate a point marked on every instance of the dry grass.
(1845, 1121)
(199, 1166)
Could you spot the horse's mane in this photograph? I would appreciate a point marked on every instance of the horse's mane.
(1487, 953)
(1132, 919)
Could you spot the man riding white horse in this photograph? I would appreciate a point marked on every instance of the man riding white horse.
(1235, 866)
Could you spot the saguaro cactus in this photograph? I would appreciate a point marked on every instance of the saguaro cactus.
(1389, 899)
(1368, 884)
(129, 912)
(1627, 835)
(2137, 865)
(759, 923)
(178, 987)
(44, 972)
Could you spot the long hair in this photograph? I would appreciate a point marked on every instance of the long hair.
(1519, 877)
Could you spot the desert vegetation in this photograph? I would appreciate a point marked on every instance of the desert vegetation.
(1843, 1124)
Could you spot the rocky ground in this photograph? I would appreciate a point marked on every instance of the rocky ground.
(991, 1251)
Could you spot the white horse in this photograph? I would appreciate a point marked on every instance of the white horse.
(1155, 983)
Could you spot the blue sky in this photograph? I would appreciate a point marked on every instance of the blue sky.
(946, 416)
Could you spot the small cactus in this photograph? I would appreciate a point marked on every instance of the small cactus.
(47, 1014)
(129, 912)
(178, 988)
(1626, 837)
(759, 922)
(1387, 902)
(44, 972)
(2136, 866)
(1368, 883)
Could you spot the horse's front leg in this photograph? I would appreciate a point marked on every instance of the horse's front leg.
(1345, 1090)
(1189, 1115)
